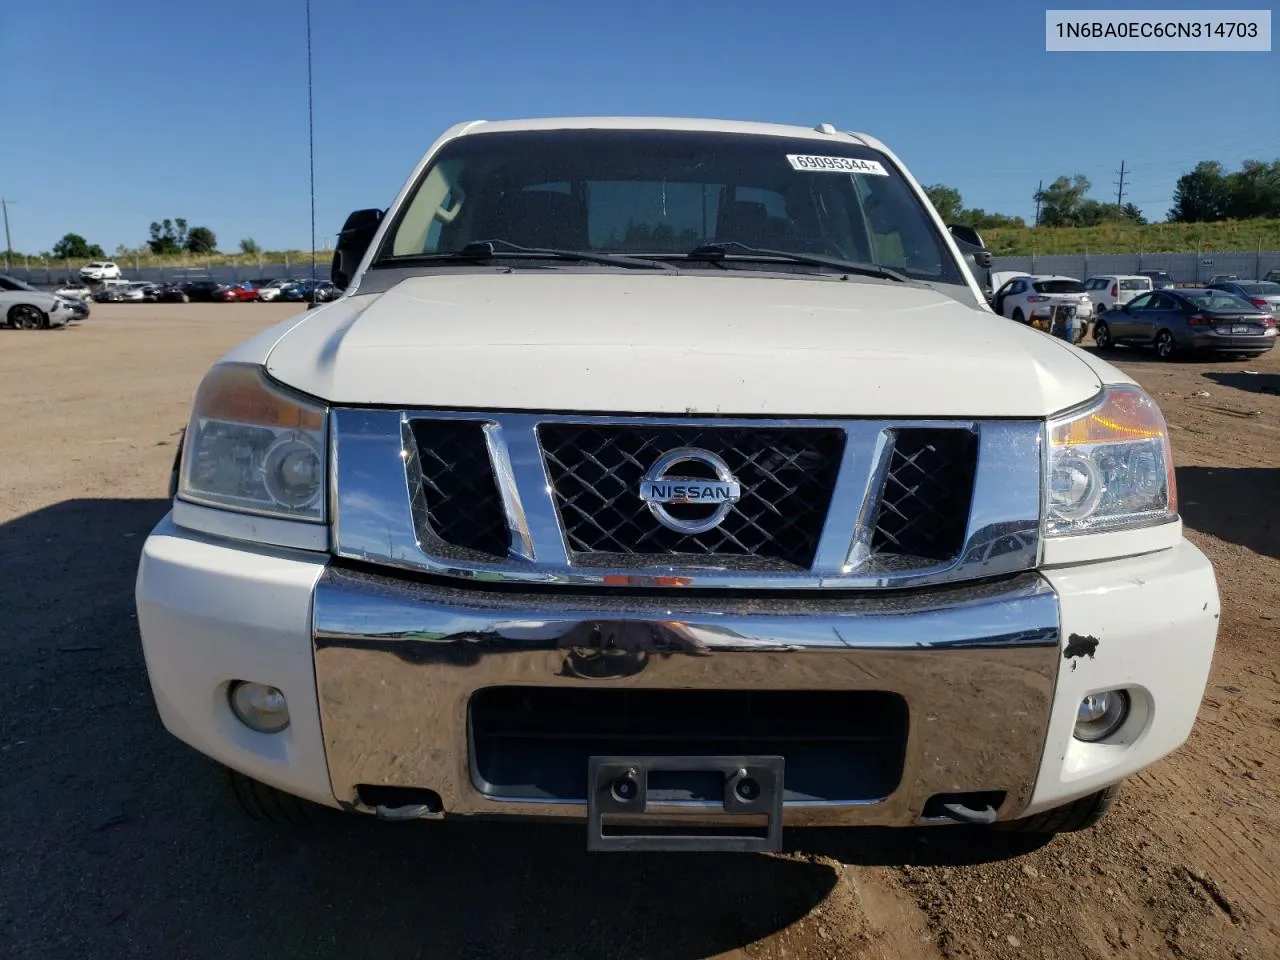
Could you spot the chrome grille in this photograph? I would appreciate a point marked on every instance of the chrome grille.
(552, 499)
(787, 477)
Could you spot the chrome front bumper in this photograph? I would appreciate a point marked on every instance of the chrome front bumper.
(396, 662)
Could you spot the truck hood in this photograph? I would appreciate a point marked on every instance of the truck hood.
(677, 344)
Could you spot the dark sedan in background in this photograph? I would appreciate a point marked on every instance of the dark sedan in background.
(1261, 293)
(305, 290)
(190, 291)
(1187, 320)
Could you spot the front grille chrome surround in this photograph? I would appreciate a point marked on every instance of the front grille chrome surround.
(989, 512)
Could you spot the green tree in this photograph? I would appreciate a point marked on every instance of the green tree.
(201, 240)
(163, 238)
(249, 245)
(1201, 195)
(180, 232)
(1060, 202)
(75, 247)
(946, 200)
(1253, 191)
(979, 219)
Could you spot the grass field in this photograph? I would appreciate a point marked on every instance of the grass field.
(1223, 237)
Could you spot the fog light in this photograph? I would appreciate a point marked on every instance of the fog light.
(258, 706)
(1101, 714)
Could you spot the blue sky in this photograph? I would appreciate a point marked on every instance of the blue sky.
(116, 114)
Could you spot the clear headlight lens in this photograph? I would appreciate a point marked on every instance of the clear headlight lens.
(253, 446)
(1110, 466)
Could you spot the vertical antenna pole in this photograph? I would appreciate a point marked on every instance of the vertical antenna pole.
(311, 153)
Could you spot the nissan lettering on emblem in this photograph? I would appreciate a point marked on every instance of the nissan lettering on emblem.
(659, 489)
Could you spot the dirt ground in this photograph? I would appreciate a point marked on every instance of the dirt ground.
(117, 841)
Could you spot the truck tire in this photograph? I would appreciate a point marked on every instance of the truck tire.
(266, 804)
(1078, 815)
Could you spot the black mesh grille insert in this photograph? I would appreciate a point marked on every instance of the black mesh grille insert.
(462, 504)
(787, 476)
(924, 505)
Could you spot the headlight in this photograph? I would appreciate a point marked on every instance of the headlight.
(254, 446)
(1110, 467)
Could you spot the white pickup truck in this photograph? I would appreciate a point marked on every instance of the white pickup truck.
(673, 476)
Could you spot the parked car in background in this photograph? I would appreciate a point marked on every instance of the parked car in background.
(135, 291)
(306, 291)
(171, 293)
(1030, 299)
(1112, 290)
(1194, 319)
(237, 293)
(202, 290)
(100, 270)
(23, 307)
(1261, 293)
(273, 289)
(1221, 278)
(108, 294)
(78, 307)
(1272, 276)
(1160, 280)
(77, 290)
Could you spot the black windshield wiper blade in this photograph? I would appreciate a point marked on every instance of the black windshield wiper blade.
(722, 248)
(489, 249)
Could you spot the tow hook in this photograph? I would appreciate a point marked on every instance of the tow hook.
(965, 814)
(976, 807)
(412, 811)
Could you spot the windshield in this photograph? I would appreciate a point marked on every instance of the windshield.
(1218, 300)
(1261, 289)
(664, 193)
(1135, 284)
(1059, 286)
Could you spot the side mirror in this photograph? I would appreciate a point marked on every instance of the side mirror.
(984, 259)
(353, 242)
(966, 234)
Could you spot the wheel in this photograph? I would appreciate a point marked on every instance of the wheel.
(266, 804)
(26, 317)
(1165, 347)
(1078, 815)
(186, 298)
(1018, 316)
(1102, 336)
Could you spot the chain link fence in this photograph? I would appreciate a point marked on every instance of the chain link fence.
(53, 273)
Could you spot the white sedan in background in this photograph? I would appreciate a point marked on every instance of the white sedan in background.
(273, 290)
(1028, 299)
(100, 270)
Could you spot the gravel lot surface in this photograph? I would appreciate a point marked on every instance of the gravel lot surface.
(118, 841)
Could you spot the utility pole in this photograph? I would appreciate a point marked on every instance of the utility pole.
(1120, 187)
(8, 244)
(1039, 190)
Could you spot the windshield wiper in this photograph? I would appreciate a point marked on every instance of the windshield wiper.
(725, 248)
(497, 248)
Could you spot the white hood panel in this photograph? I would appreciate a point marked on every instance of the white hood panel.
(649, 343)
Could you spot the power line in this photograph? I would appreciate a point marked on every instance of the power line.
(1039, 191)
(1120, 188)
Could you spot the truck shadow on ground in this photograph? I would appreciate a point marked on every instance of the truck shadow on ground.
(1238, 505)
(129, 845)
(1248, 382)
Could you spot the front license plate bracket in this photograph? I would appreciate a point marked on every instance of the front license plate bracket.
(619, 788)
